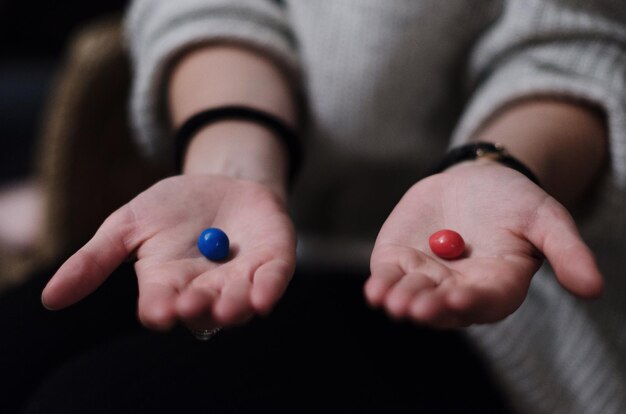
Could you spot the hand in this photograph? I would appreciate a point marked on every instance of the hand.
(507, 222)
(161, 227)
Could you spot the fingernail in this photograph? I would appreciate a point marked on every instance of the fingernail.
(45, 305)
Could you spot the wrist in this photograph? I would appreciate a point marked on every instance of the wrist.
(477, 163)
(483, 151)
(564, 143)
(240, 150)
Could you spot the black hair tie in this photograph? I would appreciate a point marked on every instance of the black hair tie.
(284, 132)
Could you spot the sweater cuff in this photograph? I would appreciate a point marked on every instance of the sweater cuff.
(580, 71)
(158, 31)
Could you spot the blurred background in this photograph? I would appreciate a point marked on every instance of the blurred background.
(34, 40)
(33, 36)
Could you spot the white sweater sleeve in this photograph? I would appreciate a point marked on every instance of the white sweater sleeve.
(570, 49)
(158, 30)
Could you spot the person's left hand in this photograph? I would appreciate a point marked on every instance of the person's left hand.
(508, 224)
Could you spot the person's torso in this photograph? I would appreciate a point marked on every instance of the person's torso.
(385, 87)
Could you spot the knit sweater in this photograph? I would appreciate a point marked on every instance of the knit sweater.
(389, 86)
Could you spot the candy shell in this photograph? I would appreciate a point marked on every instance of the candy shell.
(213, 243)
(447, 244)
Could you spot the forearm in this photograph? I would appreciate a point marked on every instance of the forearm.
(563, 143)
(219, 75)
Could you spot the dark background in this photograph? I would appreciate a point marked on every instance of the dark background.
(33, 36)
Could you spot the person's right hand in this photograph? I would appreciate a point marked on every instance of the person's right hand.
(160, 227)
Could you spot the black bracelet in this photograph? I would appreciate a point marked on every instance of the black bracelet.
(284, 132)
(477, 150)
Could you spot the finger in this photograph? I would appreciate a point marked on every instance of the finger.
(89, 267)
(195, 306)
(196, 301)
(404, 291)
(428, 308)
(383, 277)
(484, 304)
(554, 232)
(157, 305)
(233, 305)
(269, 284)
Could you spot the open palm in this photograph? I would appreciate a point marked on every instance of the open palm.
(160, 228)
(508, 224)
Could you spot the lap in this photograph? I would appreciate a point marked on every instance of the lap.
(321, 350)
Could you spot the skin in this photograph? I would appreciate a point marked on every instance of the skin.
(509, 223)
(234, 178)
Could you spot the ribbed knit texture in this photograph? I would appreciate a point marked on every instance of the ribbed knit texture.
(160, 30)
(392, 84)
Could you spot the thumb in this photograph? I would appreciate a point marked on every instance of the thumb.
(553, 231)
(90, 266)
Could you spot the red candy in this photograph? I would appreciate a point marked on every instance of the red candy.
(447, 244)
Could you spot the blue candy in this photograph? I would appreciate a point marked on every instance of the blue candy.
(213, 243)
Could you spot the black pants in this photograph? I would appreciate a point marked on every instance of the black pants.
(321, 351)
